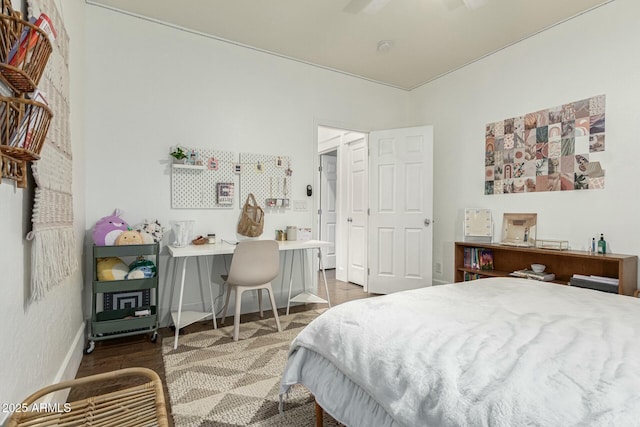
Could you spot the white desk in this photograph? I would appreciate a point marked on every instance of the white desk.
(183, 318)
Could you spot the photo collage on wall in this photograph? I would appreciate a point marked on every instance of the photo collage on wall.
(548, 150)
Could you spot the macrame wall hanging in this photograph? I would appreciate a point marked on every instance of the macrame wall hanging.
(53, 254)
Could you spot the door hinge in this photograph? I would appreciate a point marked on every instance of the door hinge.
(319, 168)
(369, 211)
(319, 211)
(368, 271)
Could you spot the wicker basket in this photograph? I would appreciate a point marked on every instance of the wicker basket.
(23, 127)
(138, 406)
(24, 70)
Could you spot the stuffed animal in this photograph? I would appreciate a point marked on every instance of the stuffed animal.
(151, 231)
(111, 268)
(141, 269)
(129, 237)
(108, 228)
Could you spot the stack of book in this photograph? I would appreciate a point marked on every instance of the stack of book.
(599, 283)
(530, 274)
(478, 258)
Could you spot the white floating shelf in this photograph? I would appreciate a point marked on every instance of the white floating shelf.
(179, 166)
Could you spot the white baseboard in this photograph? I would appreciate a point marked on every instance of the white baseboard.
(67, 371)
(437, 282)
(69, 367)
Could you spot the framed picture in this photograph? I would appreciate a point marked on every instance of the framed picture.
(225, 193)
(519, 229)
(212, 164)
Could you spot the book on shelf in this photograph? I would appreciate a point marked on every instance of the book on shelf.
(5, 90)
(478, 258)
(593, 278)
(530, 274)
(23, 47)
(598, 283)
(472, 276)
(23, 135)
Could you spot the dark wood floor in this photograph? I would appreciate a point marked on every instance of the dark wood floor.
(138, 351)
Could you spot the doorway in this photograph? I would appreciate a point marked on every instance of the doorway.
(378, 213)
(337, 150)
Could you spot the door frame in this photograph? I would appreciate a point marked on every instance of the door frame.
(341, 272)
(322, 195)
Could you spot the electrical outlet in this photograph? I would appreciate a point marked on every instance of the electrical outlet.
(438, 268)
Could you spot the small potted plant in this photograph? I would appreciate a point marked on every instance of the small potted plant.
(179, 155)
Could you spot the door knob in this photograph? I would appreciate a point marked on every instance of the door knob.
(427, 222)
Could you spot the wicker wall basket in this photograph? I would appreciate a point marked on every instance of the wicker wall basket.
(23, 127)
(22, 70)
(138, 406)
(13, 169)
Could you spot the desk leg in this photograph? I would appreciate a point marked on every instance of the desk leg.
(290, 278)
(303, 261)
(213, 309)
(172, 284)
(324, 276)
(200, 281)
(184, 272)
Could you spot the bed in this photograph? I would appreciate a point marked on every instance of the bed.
(490, 352)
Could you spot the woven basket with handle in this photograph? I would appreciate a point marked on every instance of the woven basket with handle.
(251, 219)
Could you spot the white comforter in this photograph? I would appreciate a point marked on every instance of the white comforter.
(494, 352)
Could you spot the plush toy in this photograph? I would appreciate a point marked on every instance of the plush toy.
(107, 229)
(111, 268)
(151, 231)
(129, 237)
(141, 269)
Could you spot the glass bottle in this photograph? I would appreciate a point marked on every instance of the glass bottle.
(602, 245)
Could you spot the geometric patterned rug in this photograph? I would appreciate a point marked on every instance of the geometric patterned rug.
(215, 381)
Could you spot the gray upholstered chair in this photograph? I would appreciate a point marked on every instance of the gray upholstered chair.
(254, 265)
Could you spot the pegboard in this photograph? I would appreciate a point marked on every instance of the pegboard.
(196, 187)
(267, 177)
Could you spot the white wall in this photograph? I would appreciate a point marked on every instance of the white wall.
(589, 55)
(151, 87)
(42, 342)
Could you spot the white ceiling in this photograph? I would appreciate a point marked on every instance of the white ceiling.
(428, 37)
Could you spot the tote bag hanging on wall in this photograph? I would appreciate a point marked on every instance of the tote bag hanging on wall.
(251, 219)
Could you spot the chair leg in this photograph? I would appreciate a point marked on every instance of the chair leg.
(226, 304)
(274, 307)
(260, 303)
(236, 320)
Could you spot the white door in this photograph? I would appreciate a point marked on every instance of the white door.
(401, 201)
(328, 180)
(357, 212)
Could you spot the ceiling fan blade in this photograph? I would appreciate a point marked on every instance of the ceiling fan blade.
(367, 6)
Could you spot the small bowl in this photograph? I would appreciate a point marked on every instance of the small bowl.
(200, 240)
(538, 268)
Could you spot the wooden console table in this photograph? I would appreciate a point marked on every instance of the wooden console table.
(563, 264)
